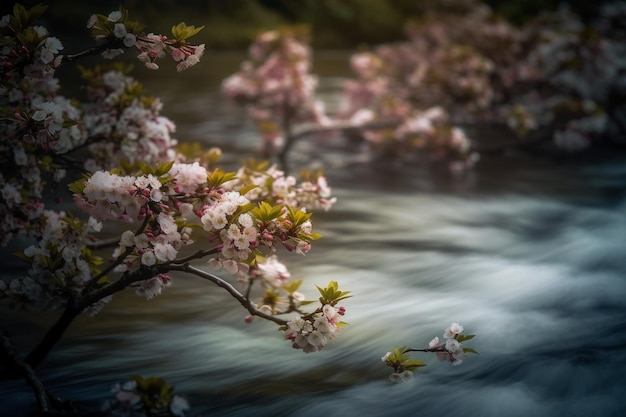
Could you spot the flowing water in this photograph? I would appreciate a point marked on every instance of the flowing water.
(525, 252)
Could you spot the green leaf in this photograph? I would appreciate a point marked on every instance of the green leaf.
(292, 286)
(463, 337)
(145, 168)
(331, 294)
(266, 212)
(469, 350)
(297, 216)
(77, 186)
(20, 14)
(412, 364)
(163, 168)
(313, 236)
(219, 177)
(247, 188)
(181, 31)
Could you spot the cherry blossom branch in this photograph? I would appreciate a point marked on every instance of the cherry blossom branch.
(342, 126)
(104, 243)
(110, 44)
(229, 288)
(199, 254)
(434, 349)
(312, 129)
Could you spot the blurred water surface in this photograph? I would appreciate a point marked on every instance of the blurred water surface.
(526, 252)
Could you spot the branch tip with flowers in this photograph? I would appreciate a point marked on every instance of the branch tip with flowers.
(452, 351)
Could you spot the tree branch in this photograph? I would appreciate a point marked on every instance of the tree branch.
(109, 44)
(199, 254)
(75, 307)
(18, 366)
(229, 288)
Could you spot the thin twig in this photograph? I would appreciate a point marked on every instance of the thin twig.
(229, 288)
(199, 254)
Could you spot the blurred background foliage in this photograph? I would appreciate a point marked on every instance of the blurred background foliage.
(232, 24)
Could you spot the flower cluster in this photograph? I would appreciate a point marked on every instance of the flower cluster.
(116, 31)
(377, 95)
(274, 185)
(123, 125)
(313, 332)
(171, 198)
(451, 351)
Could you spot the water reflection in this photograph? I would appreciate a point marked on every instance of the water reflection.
(527, 254)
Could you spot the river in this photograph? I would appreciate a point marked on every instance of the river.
(526, 252)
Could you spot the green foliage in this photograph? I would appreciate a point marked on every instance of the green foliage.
(331, 293)
(400, 360)
(219, 177)
(463, 337)
(78, 186)
(23, 18)
(154, 393)
(182, 32)
(266, 212)
(142, 168)
(292, 286)
(297, 217)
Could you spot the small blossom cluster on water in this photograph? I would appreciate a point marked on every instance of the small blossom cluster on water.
(311, 333)
(131, 400)
(452, 350)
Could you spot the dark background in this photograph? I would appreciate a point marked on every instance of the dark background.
(335, 24)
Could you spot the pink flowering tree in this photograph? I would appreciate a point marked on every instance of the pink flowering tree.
(555, 80)
(141, 214)
(277, 87)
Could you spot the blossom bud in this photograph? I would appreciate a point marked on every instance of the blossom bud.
(248, 318)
